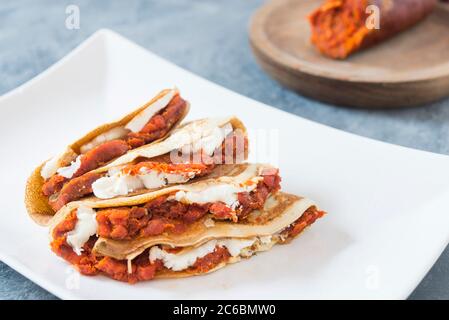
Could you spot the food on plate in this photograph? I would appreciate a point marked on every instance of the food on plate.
(231, 192)
(147, 197)
(339, 27)
(200, 246)
(190, 152)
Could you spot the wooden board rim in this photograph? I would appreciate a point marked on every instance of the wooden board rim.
(260, 42)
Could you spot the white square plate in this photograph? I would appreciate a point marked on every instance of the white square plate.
(388, 205)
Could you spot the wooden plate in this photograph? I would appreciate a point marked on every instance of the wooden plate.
(407, 70)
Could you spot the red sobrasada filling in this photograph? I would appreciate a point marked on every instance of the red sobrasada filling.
(141, 268)
(157, 127)
(80, 186)
(338, 27)
(307, 219)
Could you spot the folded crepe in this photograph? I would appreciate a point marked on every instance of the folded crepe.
(191, 151)
(230, 192)
(190, 248)
(342, 27)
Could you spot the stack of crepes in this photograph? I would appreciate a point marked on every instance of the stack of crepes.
(150, 197)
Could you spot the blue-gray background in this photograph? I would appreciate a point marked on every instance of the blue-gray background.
(209, 38)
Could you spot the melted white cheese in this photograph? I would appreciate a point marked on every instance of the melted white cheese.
(209, 143)
(50, 167)
(265, 239)
(154, 179)
(195, 137)
(119, 184)
(114, 133)
(85, 227)
(116, 185)
(235, 246)
(183, 260)
(209, 223)
(222, 192)
(70, 170)
(141, 119)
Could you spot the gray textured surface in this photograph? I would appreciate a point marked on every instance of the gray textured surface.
(210, 39)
